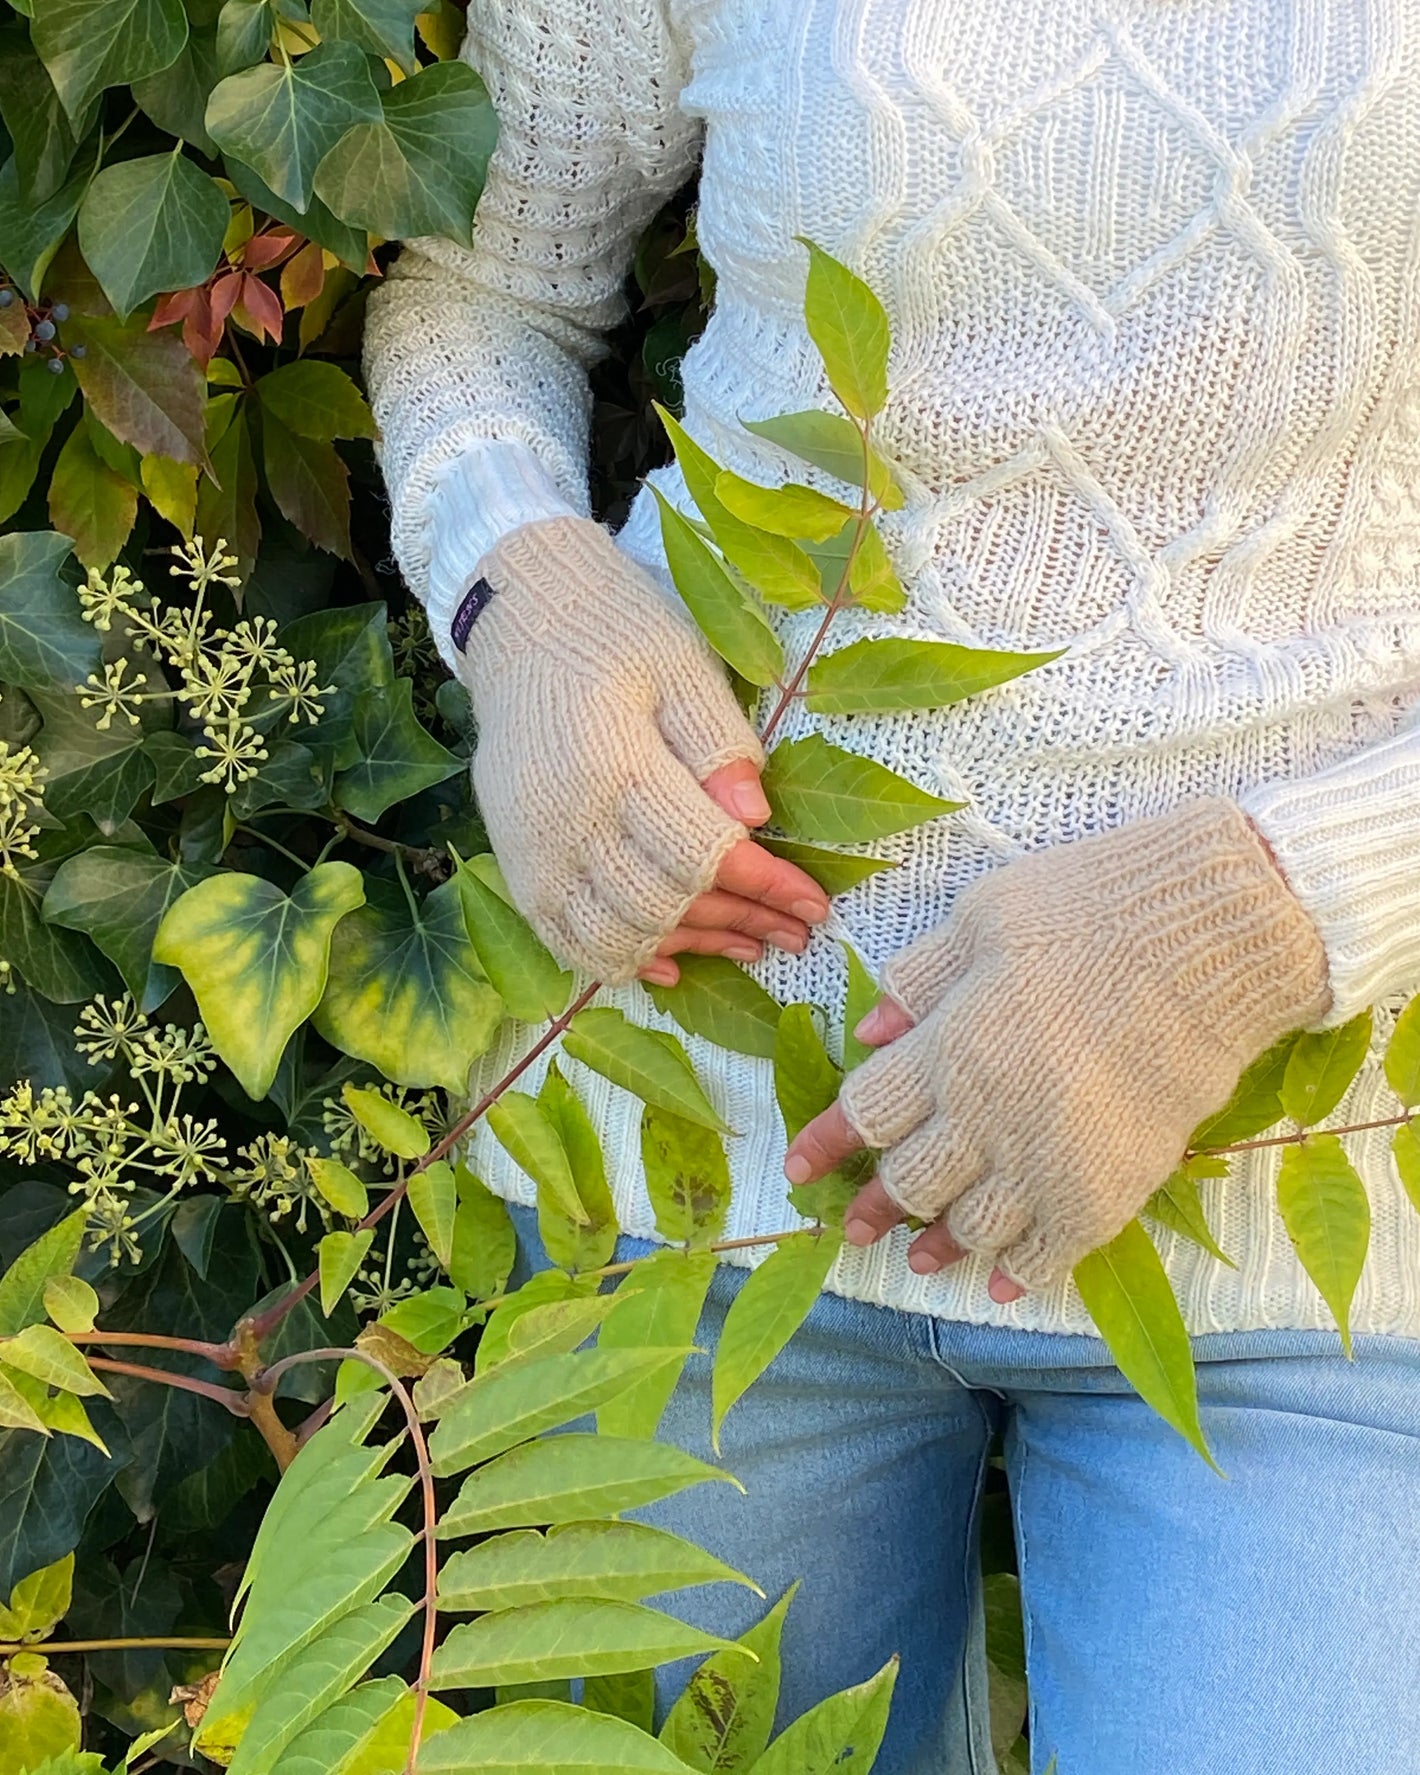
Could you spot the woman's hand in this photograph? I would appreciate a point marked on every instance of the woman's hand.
(1049, 1050)
(616, 774)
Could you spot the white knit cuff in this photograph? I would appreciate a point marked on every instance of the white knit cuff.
(490, 488)
(1348, 841)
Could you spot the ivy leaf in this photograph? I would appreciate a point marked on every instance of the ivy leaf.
(1402, 1056)
(588, 1241)
(176, 98)
(836, 872)
(397, 757)
(840, 1736)
(256, 959)
(44, 642)
(663, 1311)
(849, 325)
(879, 677)
(777, 1296)
(243, 34)
(145, 387)
(1177, 1205)
(310, 483)
(651, 1065)
(1327, 1214)
(339, 1256)
(528, 1134)
(722, 1719)
(790, 510)
(226, 500)
(151, 224)
(350, 245)
(281, 118)
(418, 167)
(406, 992)
(30, 233)
(43, 141)
(726, 617)
(527, 978)
(93, 771)
(56, 963)
(88, 48)
(819, 791)
(315, 400)
(117, 895)
(89, 502)
(1321, 1067)
(385, 1122)
(384, 27)
(434, 1199)
(687, 1177)
(1126, 1292)
(48, 1489)
(834, 444)
(717, 1000)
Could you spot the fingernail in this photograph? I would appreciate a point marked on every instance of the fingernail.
(659, 974)
(811, 911)
(870, 1025)
(858, 1232)
(791, 940)
(923, 1263)
(797, 1168)
(742, 952)
(748, 803)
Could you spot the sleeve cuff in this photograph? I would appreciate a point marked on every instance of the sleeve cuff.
(1348, 841)
(490, 488)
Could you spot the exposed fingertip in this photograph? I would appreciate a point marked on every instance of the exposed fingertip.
(811, 911)
(660, 973)
(797, 1168)
(748, 802)
(1003, 1290)
(859, 1232)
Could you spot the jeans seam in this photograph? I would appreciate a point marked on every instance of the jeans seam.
(971, 1565)
(1027, 1625)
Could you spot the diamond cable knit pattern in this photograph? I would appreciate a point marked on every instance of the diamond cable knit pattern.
(1154, 278)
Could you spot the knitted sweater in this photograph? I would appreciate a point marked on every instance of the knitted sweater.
(1153, 270)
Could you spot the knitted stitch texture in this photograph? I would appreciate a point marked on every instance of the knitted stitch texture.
(1153, 272)
(600, 712)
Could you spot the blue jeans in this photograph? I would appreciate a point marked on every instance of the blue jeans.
(1176, 1623)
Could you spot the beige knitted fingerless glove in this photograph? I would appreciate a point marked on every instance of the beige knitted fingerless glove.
(1076, 1018)
(600, 712)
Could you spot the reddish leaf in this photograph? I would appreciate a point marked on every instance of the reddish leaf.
(264, 250)
(259, 309)
(143, 386)
(303, 278)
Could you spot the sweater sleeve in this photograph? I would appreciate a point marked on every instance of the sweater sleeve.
(489, 344)
(1348, 841)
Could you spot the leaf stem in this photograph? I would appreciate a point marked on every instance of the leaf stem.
(1296, 1138)
(52, 1647)
(235, 1402)
(219, 1355)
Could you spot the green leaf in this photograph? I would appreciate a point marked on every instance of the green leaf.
(434, 1199)
(316, 222)
(340, 1187)
(43, 142)
(1177, 1205)
(22, 1286)
(176, 98)
(1127, 1294)
(89, 502)
(790, 510)
(393, 1128)
(721, 1722)
(1327, 1214)
(117, 895)
(571, 1637)
(48, 1489)
(841, 1736)
(806, 1081)
(281, 118)
(549, 1737)
(48, 1356)
(819, 791)
(145, 387)
(871, 677)
(584, 1241)
(314, 1679)
(40, 1602)
(613, 1561)
(834, 444)
(44, 643)
(418, 167)
(687, 1177)
(835, 871)
(151, 224)
(256, 959)
(1405, 1147)
(72, 1304)
(397, 758)
(1402, 1056)
(661, 1300)
(89, 770)
(529, 1136)
(544, 1328)
(87, 48)
(384, 27)
(650, 1064)
(1256, 1102)
(849, 325)
(715, 998)
(243, 34)
(16, 1412)
(315, 399)
(30, 233)
(429, 1320)
(725, 614)
(860, 997)
(310, 484)
(777, 1296)
(570, 1478)
(517, 1401)
(229, 510)
(1321, 1067)
(406, 993)
(485, 1243)
(364, 1733)
(340, 1256)
(530, 983)
(628, 1695)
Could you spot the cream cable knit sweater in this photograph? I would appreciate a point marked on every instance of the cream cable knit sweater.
(1154, 277)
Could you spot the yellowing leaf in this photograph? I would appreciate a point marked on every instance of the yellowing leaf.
(721, 1721)
(819, 791)
(1405, 1147)
(1321, 1067)
(1328, 1219)
(549, 1737)
(16, 1412)
(849, 325)
(394, 1128)
(71, 1303)
(530, 1138)
(39, 1603)
(840, 1736)
(1402, 1056)
(687, 1177)
(661, 1303)
(47, 1356)
(171, 488)
(587, 1242)
(484, 1241)
(339, 1185)
(1177, 1205)
(339, 1256)
(790, 510)
(834, 444)
(434, 1199)
(836, 872)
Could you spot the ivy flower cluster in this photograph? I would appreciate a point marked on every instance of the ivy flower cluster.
(21, 792)
(221, 672)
